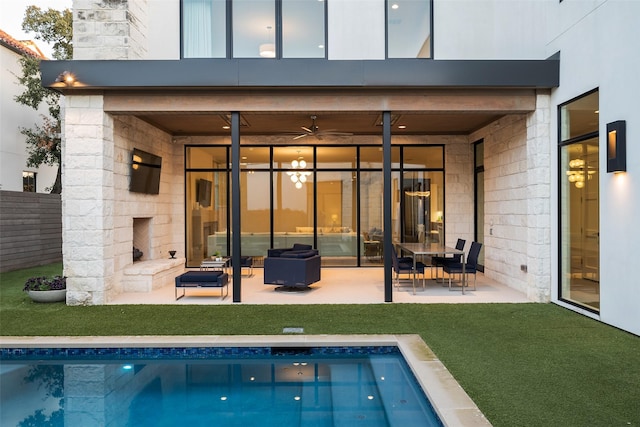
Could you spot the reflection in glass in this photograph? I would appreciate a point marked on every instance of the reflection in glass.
(422, 203)
(255, 209)
(206, 198)
(336, 213)
(580, 117)
(580, 248)
(409, 29)
(203, 157)
(204, 28)
(336, 157)
(254, 158)
(253, 28)
(371, 216)
(303, 29)
(371, 157)
(423, 157)
(293, 208)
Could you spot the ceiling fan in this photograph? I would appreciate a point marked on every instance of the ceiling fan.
(314, 130)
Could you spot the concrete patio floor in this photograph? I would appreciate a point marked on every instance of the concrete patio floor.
(337, 286)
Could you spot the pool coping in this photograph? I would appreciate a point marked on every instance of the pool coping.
(451, 402)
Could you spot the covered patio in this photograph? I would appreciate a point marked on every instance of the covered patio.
(338, 286)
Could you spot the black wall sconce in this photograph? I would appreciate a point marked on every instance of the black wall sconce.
(617, 146)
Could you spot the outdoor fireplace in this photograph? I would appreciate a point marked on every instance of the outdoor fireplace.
(141, 239)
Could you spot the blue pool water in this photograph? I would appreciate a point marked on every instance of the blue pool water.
(213, 386)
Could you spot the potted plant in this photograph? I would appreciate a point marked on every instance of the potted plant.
(46, 289)
(216, 256)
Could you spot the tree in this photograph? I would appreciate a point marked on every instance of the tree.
(44, 141)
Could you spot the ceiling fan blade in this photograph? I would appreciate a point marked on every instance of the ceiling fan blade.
(307, 129)
(300, 136)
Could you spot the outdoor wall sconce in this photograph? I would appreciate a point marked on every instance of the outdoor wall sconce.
(66, 77)
(617, 146)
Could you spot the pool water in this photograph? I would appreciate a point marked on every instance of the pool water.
(232, 387)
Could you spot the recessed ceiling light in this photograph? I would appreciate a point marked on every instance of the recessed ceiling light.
(321, 46)
(394, 6)
(402, 127)
(226, 127)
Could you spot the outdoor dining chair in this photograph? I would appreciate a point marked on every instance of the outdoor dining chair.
(470, 266)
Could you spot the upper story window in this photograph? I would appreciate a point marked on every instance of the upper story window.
(408, 29)
(300, 29)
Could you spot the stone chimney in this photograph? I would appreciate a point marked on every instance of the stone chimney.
(110, 29)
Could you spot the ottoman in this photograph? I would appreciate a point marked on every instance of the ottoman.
(203, 279)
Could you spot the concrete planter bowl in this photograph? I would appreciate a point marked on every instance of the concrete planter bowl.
(46, 289)
(56, 295)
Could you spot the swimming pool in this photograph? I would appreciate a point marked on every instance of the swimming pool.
(227, 386)
(292, 381)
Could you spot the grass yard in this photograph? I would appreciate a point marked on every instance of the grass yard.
(523, 364)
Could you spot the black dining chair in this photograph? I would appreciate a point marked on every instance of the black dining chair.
(405, 266)
(439, 261)
(470, 267)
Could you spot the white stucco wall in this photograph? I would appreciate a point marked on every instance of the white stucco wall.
(164, 29)
(13, 116)
(489, 29)
(356, 29)
(598, 45)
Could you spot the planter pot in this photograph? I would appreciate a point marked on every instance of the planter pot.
(48, 296)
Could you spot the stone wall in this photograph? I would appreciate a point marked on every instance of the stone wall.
(98, 209)
(517, 200)
(110, 29)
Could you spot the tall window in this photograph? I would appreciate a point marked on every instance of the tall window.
(207, 203)
(254, 27)
(300, 29)
(29, 182)
(408, 29)
(330, 197)
(303, 33)
(579, 202)
(204, 28)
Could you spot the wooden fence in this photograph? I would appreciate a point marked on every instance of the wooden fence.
(30, 229)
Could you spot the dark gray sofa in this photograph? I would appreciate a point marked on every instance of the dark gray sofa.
(292, 268)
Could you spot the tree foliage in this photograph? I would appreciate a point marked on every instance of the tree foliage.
(43, 141)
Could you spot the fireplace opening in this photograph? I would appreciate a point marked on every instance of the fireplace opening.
(141, 239)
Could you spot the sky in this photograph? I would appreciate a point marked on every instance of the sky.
(12, 13)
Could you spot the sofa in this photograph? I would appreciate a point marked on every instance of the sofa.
(292, 268)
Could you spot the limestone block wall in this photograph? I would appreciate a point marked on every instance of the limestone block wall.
(99, 210)
(110, 29)
(458, 184)
(163, 213)
(87, 200)
(517, 200)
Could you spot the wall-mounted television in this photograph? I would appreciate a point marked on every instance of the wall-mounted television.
(204, 192)
(145, 172)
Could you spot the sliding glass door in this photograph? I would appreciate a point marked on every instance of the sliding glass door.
(330, 197)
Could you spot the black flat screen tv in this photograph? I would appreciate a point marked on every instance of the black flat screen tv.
(145, 172)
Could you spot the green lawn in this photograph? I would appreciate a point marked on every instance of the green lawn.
(523, 364)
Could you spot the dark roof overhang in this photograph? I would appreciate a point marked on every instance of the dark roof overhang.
(187, 74)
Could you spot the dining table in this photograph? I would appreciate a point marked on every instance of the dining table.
(418, 249)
